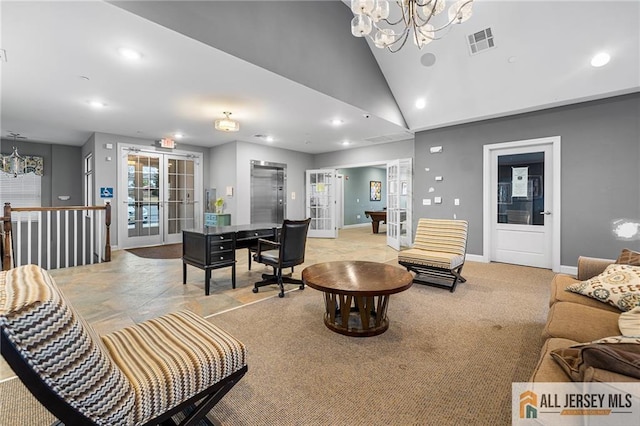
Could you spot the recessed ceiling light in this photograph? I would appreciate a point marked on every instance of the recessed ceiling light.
(345, 143)
(336, 122)
(269, 139)
(421, 103)
(129, 53)
(600, 59)
(97, 104)
(178, 135)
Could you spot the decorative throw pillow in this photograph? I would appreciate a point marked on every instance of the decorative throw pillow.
(629, 323)
(618, 285)
(618, 358)
(629, 257)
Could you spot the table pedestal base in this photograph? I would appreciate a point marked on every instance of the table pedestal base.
(359, 316)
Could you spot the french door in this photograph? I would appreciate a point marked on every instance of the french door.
(163, 192)
(321, 203)
(399, 222)
(524, 213)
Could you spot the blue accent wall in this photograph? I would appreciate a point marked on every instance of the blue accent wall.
(356, 192)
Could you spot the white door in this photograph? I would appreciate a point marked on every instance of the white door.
(339, 201)
(182, 206)
(321, 203)
(399, 228)
(524, 206)
(161, 197)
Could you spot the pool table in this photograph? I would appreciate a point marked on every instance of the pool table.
(376, 217)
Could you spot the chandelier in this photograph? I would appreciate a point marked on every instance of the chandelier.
(227, 124)
(415, 21)
(13, 164)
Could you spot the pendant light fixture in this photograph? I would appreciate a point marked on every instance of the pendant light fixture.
(227, 124)
(13, 164)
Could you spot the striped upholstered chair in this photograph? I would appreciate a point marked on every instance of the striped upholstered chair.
(438, 252)
(141, 375)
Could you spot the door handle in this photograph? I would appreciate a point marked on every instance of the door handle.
(545, 213)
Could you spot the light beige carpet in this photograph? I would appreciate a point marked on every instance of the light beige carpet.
(447, 358)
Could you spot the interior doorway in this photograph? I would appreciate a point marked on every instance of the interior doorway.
(161, 194)
(522, 202)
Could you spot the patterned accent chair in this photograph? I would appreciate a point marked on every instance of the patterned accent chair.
(286, 253)
(438, 253)
(140, 375)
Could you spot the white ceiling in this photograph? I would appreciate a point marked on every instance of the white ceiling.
(179, 85)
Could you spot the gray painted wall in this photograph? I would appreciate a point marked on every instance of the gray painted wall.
(318, 52)
(356, 193)
(63, 179)
(600, 173)
(222, 173)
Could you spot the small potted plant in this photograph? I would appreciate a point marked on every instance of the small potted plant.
(219, 204)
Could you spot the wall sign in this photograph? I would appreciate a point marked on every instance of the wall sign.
(106, 192)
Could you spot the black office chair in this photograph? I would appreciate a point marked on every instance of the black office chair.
(286, 253)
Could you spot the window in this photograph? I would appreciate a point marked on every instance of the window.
(88, 180)
(21, 191)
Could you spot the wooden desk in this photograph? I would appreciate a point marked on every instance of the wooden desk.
(376, 217)
(357, 294)
(214, 247)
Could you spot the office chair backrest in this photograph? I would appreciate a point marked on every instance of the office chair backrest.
(293, 241)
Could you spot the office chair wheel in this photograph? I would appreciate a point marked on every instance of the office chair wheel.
(301, 287)
(255, 290)
(281, 295)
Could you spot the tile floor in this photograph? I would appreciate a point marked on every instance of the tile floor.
(131, 289)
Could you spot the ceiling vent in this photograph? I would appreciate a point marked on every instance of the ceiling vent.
(480, 41)
(390, 138)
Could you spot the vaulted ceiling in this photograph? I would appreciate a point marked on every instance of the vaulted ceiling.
(286, 69)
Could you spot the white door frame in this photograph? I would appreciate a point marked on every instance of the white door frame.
(325, 203)
(339, 201)
(122, 188)
(487, 191)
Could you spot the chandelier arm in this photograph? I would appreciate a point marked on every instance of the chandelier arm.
(401, 36)
(448, 24)
(404, 40)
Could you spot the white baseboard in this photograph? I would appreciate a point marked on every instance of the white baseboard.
(475, 258)
(356, 225)
(569, 270)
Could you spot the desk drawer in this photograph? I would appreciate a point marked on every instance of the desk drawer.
(221, 237)
(216, 246)
(246, 239)
(258, 233)
(222, 256)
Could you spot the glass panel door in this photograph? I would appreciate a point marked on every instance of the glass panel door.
(393, 204)
(181, 202)
(399, 225)
(163, 193)
(321, 203)
(143, 198)
(405, 199)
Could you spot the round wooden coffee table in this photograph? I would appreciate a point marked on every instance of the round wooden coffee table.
(356, 294)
